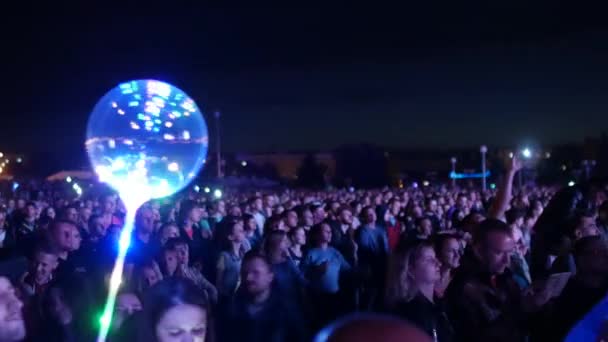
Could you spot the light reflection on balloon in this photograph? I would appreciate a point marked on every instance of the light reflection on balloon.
(146, 139)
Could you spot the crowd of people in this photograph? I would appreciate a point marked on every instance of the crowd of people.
(456, 263)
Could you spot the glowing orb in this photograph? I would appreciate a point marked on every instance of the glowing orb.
(145, 137)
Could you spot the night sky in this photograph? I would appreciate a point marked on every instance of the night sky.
(446, 74)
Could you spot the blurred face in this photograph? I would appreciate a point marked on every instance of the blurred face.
(251, 225)
(145, 220)
(71, 214)
(450, 253)
(462, 202)
(520, 245)
(50, 212)
(346, 217)
(257, 276)
(43, 266)
(432, 206)
(20, 204)
(238, 233)
(299, 237)
(151, 277)
(195, 215)
(292, 219)
(85, 214)
(319, 215)
(325, 234)
(126, 305)
(308, 218)
(496, 251)
(284, 244)
(12, 326)
(181, 323)
(257, 204)
(62, 235)
(170, 261)
(98, 227)
(109, 205)
(235, 211)
(169, 232)
(183, 254)
(31, 211)
(369, 216)
(76, 239)
(586, 227)
(395, 208)
(426, 267)
(426, 227)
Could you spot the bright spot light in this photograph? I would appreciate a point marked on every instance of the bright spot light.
(68, 179)
(186, 135)
(492, 186)
(168, 124)
(564, 167)
(197, 188)
(217, 193)
(244, 163)
(511, 155)
(19, 160)
(207, 190)
(425, 183)
(526, 153)
(15, 186)
(105, 320)
(1, 170)
(173, 167)
(168, 136)
(547, 155)
(571, 183)
(1, 154)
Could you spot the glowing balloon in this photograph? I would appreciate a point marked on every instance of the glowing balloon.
(146, 138)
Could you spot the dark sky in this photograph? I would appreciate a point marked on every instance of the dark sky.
(447, 73)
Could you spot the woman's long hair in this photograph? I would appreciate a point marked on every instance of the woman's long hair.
(400, 283)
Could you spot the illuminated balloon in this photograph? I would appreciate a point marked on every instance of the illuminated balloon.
(146, 139)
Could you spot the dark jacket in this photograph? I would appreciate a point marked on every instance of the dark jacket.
(485, 307)
(430, 317)
(272, 321)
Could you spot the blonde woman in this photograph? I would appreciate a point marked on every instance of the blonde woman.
(410, 294)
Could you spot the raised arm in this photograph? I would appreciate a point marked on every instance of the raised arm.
(505, 191)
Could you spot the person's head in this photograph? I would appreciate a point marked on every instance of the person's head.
(144, 220)
(44, 261)
(176, 311)
(411, 267)
(70, 213)
(31, 211)
(431, 205)
(448, 250)
(168, 231)
(97, 228)
(49, 212)
(321, 233)
(307, 218)
(291, 219)
(108, 204)
(493, 244)
(61, 234)
(230, 232)
(521, 248)
(76, 239)
(319, 214)
(85, 214)
(368, 215)
(276, 243)
(424, 226)
(249, 223)
(12, 325)
(257, 204)
(297, 236)
(591, 256)
(127, 303)
(169, 261)
(148, 274)
(585, 225)
(180, 246)
(345, 216)
(190, 211)
(256, 274)
(367, 327)
(463, 202)
(515, 217)
(394, 207)
(235, 210)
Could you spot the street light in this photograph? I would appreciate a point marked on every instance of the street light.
(483, 149)
(453, 160)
